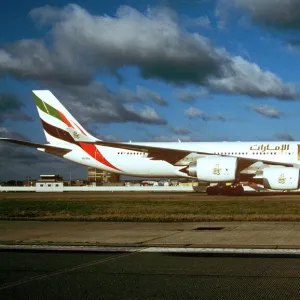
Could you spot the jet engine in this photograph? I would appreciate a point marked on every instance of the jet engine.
(281, 178)
(214, 169)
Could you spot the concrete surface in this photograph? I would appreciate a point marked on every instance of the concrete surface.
(270, 235)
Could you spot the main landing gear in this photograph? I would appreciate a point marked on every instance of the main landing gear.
(234, 189)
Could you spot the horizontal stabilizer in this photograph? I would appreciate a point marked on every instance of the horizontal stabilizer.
(46, 148)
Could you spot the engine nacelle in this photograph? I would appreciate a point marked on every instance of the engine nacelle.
(214, 169)
(281, 178)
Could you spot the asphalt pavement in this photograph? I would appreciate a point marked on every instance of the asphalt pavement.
(134, 275)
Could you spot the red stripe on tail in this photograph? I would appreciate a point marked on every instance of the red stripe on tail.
(95, 153)
(90, 148)
(65, 119)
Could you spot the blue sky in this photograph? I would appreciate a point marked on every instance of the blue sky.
(226, 69)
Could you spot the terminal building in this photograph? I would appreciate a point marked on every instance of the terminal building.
(100, 177)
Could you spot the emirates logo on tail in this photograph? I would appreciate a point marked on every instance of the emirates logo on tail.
(76, 135)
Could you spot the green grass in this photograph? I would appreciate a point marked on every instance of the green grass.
(149, 208)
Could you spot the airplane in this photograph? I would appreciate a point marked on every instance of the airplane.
(274, 164)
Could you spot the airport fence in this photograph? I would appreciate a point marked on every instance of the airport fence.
(107, 189)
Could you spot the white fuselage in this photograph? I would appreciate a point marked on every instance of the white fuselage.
(135, 163)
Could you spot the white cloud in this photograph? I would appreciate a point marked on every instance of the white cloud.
(188, 96)
(266, 110)
(95, 103)
(81, 45)
(145, 94)
(283, 136)
(281, 14)
(202, 22)
(180, 130)
(193, 112)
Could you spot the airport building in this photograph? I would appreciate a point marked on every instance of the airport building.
(100, 177)
(50, 178)
(50, 183)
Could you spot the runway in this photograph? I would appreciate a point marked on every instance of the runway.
(243, 235)
(27, 275)
(133, 260)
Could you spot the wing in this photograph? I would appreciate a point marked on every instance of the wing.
(173, 156)
(46, 148)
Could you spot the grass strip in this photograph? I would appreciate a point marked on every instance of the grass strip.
(147, 209)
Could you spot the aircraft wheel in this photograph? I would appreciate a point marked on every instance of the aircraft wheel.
(232, 190)
(226, 190)
(213, 190)
(238, 190)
